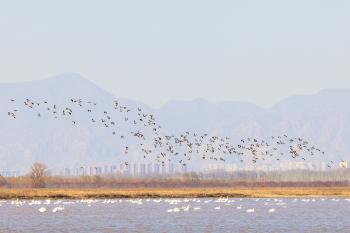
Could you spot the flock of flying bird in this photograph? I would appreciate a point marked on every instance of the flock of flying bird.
(154, 143)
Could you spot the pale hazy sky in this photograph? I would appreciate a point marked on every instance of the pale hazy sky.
(154, 51)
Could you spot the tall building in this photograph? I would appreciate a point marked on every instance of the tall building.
(163, 169)
(299, 165)
(9, 173)
(127, 170)
(142, 169)
(135, 171)
(149, 168)
(171, 168)
(184, 169)
(98, 171)
(105, 169)
(113, 169)
(121, 167)
(156, 169)
(67, 172)
(231, 167)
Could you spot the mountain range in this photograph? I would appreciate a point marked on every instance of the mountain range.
(322, 118)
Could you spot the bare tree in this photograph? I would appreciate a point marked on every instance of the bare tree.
(2, 181)
(38, 174)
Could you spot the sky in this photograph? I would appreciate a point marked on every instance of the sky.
(156, 51)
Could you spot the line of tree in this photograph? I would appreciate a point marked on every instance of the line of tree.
(38, 178)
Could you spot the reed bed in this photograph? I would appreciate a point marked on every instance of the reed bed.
(102, 193)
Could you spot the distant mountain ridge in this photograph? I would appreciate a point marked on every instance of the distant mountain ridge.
(323, 118)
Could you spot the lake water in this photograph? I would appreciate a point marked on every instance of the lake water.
(177, 215)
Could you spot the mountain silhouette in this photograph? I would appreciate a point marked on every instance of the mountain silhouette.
(322, 118)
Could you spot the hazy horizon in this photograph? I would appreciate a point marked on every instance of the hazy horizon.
(158, 51)
(63, 74)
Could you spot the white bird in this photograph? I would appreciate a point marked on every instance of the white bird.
(42, 210)
(57, 209)
(33, 202)
(271, 210)
(47, 202)
(217, 208)
(250, 210)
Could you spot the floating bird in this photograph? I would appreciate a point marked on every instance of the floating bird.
(42, 210)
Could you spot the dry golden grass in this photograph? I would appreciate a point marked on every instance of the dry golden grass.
(172, 192)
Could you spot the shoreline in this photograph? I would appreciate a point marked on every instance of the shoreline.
(109, 193)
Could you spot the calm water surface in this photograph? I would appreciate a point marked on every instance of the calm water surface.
(177, 215)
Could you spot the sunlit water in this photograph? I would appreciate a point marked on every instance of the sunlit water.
(177, 215)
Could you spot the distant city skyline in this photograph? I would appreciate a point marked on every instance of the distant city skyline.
(150, 168)
(156, 51)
